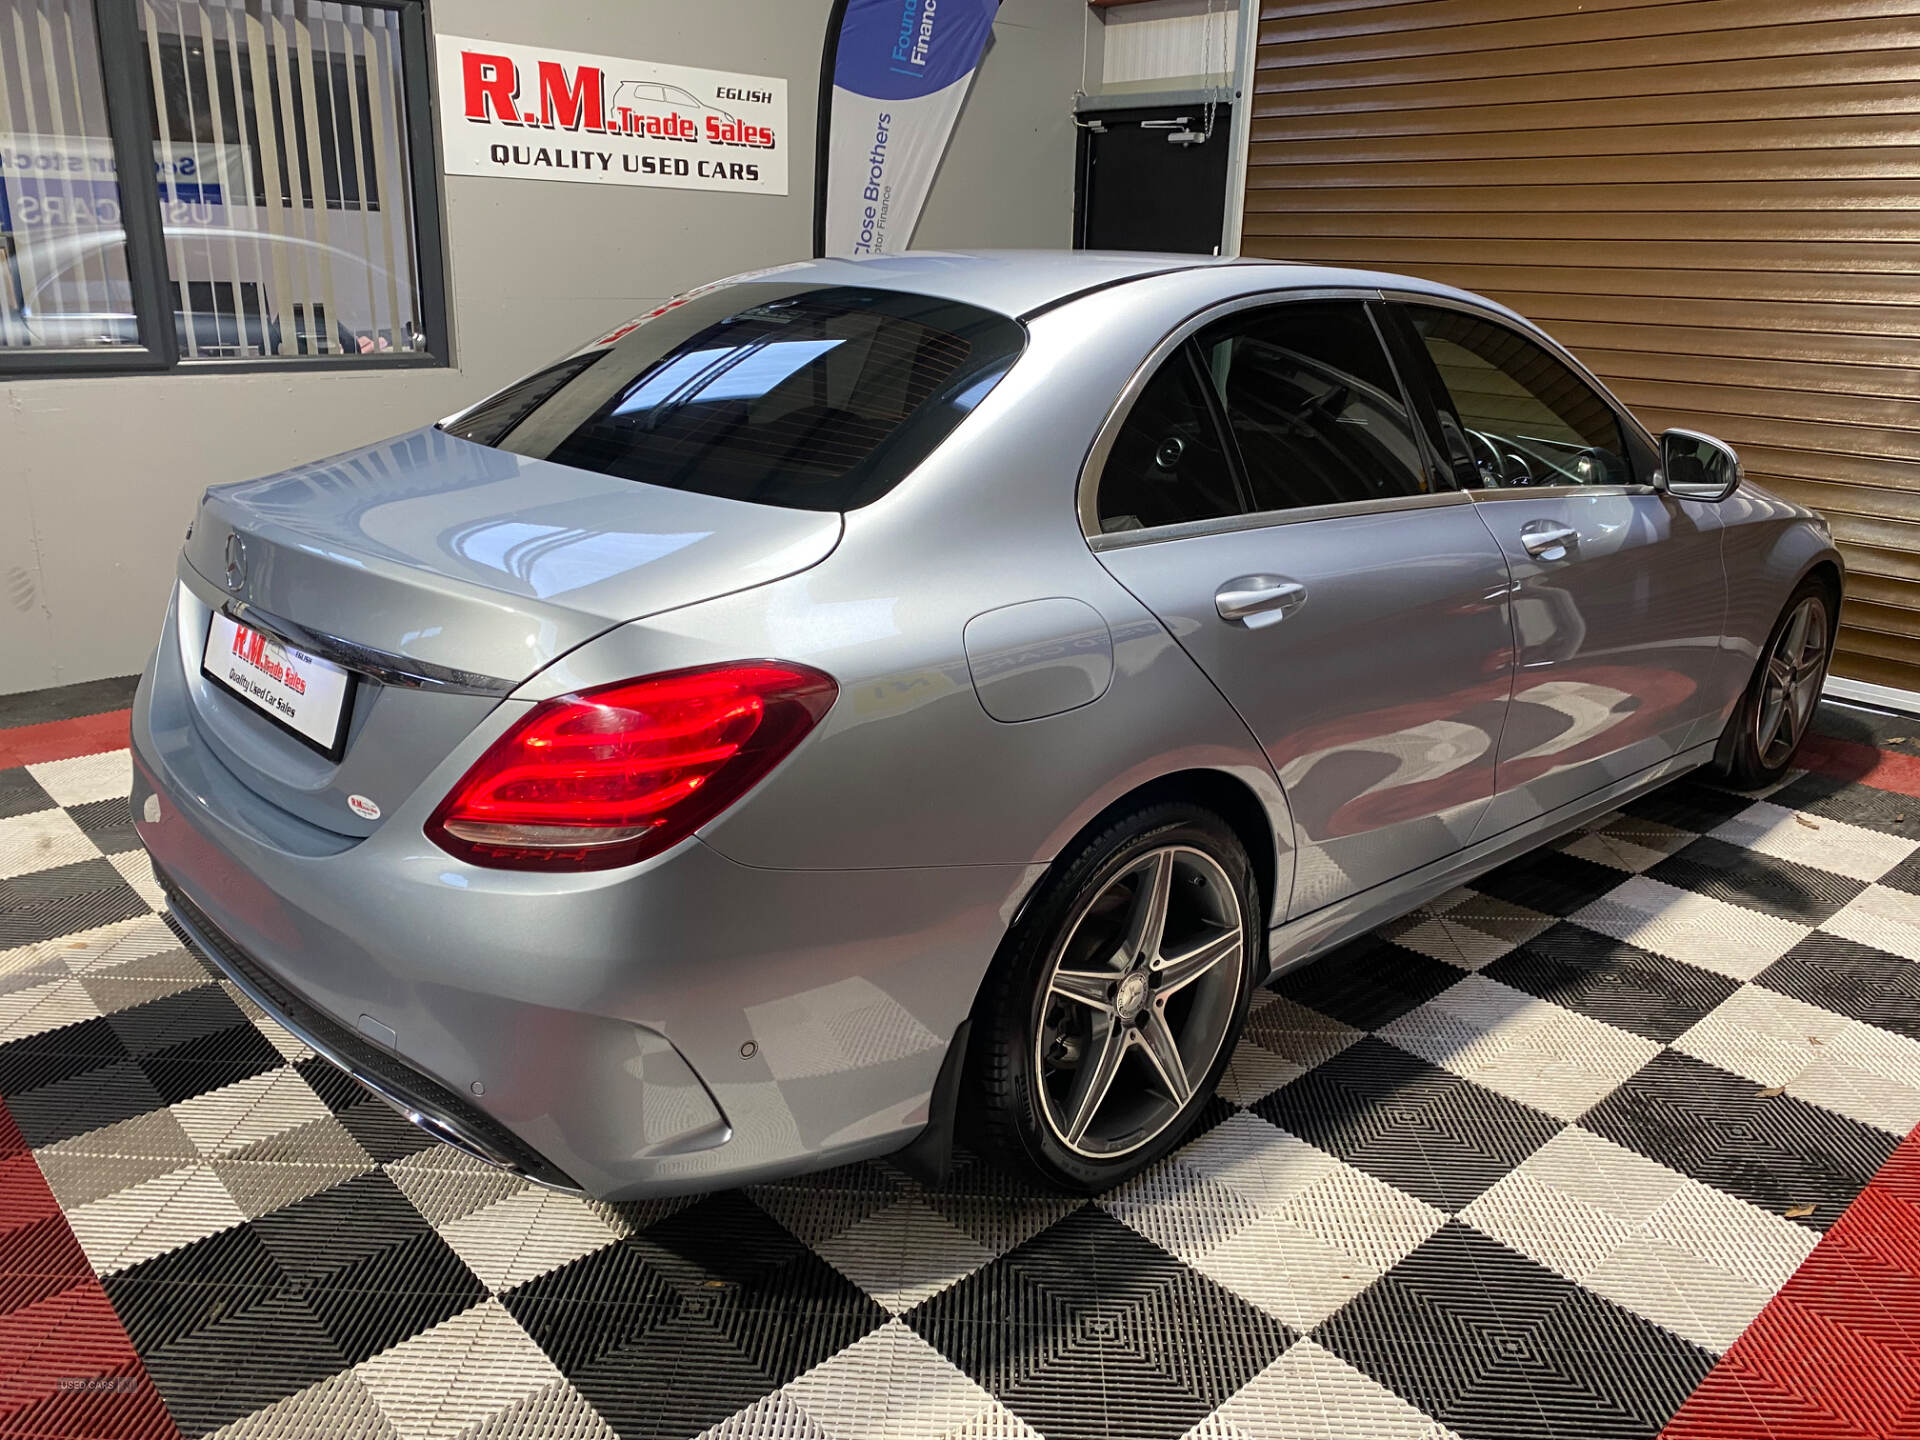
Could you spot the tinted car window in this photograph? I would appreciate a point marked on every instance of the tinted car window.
(1529, 419)
(812, 398)
(1168, 463)
(1314, 405)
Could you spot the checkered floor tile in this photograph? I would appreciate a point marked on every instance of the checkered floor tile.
(1525, 1163)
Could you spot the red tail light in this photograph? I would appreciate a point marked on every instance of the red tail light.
(611, 776)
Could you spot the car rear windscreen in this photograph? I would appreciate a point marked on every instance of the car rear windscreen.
(808, 397)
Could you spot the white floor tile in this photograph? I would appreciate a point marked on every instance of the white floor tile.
(86, 778)
(40, 841)
(1728, 939)
(1884, 918)
(1815, 841)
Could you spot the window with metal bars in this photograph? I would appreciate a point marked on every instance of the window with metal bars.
(233, 182)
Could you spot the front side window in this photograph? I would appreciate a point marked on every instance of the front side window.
(1314, 405)
(1527, 418)
(808, 397)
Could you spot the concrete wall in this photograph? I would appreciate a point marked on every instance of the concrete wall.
(98, 477)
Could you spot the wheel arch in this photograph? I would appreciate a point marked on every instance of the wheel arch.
(1827, 571)
(1218, 791)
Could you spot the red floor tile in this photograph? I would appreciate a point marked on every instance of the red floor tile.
(63, 739)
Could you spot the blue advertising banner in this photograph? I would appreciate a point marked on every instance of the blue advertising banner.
(898, 72)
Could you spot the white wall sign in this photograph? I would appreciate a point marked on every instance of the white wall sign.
(530, 113)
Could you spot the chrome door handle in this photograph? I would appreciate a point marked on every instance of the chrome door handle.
(1548, 540)
(1259, 599)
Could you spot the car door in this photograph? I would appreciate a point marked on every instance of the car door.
(1619, 589)
(1269, 498)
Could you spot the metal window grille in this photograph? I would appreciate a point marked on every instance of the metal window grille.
(237, 182)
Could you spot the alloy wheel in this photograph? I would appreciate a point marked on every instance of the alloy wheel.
(1138, 1000)
(1791, 686)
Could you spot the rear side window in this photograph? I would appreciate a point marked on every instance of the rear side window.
(1314, 405)
(1168, 464)
(811, 398)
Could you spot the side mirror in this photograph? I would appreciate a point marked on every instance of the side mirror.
(1698, 467)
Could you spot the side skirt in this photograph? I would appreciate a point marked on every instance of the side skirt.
(1297, 941)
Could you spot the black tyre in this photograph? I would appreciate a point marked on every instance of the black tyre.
(1115, 1002)
(1773, 717)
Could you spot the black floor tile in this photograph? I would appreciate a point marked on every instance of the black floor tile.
(67, 702)
(1850, 979)
(380, 1130)
(260, 1311)
(221, 1329)
(1499, 1348)
(208, 1062)
(1905, 877)
(1550, 882)
(1369, 982)
(64, 900)
(54, 1055)
(1863, 727)
(108, 823)
(367, 1266)
(104, 1095)
(337, 1089)
(194, 1041)
(1089, 1329)
(1773, 1151)
(670, 1330)
(20, 793)
(1411, 1124)
(1636, 990)
(1745, 877)
(1689, 805)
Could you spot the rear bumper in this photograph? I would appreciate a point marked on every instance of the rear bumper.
(681, 1025)
(431, 1106)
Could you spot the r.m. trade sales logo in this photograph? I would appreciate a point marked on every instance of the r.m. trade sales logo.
(587, 100)
(527, 112)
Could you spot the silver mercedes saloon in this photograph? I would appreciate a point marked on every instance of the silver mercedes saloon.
(860, 704)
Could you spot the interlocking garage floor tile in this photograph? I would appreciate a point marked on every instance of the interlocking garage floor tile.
(1528, 1049)
(1823, 797)
(1632, 989)
(1850, 979)
(1524, 1163)
(1416, 1126)
(21, 794)
(297, 1296)
(1680, 1253)
(1495, 1346)
(63, 900)
(673, 1328)
(1767, 883)
(1769, 1149)
(1552, 882)
(1371, 982)
(1089, 1329)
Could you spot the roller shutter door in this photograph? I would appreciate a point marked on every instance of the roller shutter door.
(1716, 203)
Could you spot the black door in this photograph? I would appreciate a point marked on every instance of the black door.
(1143, 184)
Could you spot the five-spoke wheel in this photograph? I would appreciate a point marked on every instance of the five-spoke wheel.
(1777, 710)
(1790, 687)
(1139, 1001)
(1119, 997)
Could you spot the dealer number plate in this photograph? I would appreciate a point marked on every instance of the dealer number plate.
(301, 693)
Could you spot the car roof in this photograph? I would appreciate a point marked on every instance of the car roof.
(1020, 282)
